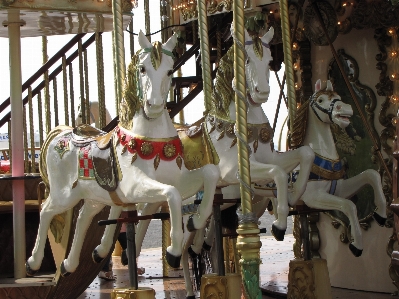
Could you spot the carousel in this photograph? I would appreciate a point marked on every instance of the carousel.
(72, 175)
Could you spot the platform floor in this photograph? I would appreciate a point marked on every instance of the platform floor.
(273, 271)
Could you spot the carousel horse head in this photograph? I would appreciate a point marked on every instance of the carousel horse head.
(258, 57)
(328, 106)
(148, 79)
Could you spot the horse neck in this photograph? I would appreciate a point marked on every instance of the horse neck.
(255, 115)
(160, 127)
(319, 137)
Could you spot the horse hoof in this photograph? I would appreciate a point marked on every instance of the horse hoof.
(96, 257)
(173, 261)
(192, 253)
(356, 252)
(206, 247)
(277, 233)
(29, 271)
(190, 224)
(64, 272)
(380, 220)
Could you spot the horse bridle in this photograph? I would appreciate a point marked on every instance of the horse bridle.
(328, 111)
(139, 86)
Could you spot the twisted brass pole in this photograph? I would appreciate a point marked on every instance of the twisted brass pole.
(204, 48)
(248, 241)
(289, 72)
(119, 48)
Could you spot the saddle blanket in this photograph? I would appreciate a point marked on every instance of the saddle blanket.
(85, 169)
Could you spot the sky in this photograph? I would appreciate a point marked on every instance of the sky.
(31, 61)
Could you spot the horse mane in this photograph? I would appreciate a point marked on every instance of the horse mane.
(223, 92)
(299, 125)
(131, 102)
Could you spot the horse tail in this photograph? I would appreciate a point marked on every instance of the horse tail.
(43, 161)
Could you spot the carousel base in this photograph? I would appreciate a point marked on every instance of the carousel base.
(32, 287)
(273, 271)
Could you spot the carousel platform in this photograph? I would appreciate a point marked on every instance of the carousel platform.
(273, 271)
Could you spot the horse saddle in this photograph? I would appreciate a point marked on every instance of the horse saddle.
(103, 156)
(85, 134)
(197, 145)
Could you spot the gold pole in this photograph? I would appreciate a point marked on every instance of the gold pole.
(289, 72)
(204, 47)
(119, 48)
(248, 241)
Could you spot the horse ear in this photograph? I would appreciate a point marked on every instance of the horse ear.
(143, 41)
(247, 37)
(267, 37)
(329, 86)
(171, 43)
(317, 86)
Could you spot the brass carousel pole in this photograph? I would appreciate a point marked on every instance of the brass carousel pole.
(289, 72)
(248, 241)
(120, 69)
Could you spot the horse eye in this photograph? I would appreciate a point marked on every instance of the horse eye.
(320, 100)
(247, 61)
(170, 73)
(142, 69)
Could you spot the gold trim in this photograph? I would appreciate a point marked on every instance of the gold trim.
(157, 160)
(327, 174)
(153, 139)
(179, 161)
(115, 199)
(134, 157)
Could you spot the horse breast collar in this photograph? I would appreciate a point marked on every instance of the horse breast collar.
(326, 169)
(256, 133)
(166, 149)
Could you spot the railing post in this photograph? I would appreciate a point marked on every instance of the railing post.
(18, 190)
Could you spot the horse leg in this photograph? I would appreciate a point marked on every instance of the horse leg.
(304, 157)
(259, 172)
(87, 212)
(142, 227)
(319, 199)
(347, 188)
(210, 175)
(102, 250)
(189, 236)
(49, 210)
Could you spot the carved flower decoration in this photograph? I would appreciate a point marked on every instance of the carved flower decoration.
(265, 134)
(132, 143)
(169, 150)
(147, 148)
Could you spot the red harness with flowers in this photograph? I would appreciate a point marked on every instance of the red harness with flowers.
(167, 149)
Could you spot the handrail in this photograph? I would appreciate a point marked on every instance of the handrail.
(45, 67)
(58, 70)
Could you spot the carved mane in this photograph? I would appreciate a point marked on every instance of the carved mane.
(300, 125)
(223, 92)
(130, 103)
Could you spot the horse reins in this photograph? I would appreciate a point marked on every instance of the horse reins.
(328, 111)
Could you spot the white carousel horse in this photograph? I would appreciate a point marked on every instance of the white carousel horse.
(327, 189)
(94, 115)
(149, 164)
(265, 164)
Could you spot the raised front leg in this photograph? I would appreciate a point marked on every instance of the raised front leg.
(262, 172)
(303, 157)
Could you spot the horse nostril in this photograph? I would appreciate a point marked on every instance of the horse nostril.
(256, 89)
(339, 107)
